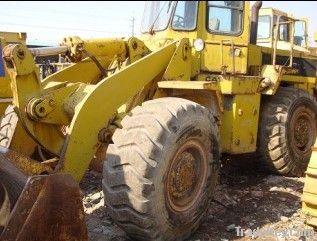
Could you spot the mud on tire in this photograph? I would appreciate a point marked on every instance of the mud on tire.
(287, 131)
(160, 173)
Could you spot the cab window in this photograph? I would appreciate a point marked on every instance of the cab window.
(185, 15)
(156, 16)
(283, 28)
(225, 17)
(264, 27)
(300, 35)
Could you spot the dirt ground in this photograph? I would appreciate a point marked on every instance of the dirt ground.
(245, 198)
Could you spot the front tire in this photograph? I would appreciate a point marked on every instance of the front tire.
(161, 171)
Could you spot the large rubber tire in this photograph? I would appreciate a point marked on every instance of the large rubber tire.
(287, 131)
(163, 144)
(7, 126)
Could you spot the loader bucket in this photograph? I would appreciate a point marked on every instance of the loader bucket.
(43, 207)
(309, 197)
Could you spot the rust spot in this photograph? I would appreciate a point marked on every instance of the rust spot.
(26, 165)
(186, 176)
(49, 208)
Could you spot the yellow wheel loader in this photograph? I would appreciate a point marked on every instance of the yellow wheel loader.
(164, 106)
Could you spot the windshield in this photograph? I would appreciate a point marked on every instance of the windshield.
(185, 15)
(156, 15)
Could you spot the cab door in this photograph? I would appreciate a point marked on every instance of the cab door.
(226, 37)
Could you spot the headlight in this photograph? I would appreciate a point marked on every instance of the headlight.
(199, 45)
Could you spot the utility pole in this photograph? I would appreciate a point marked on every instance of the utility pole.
(132, 26)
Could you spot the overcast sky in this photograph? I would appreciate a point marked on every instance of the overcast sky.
(48, 22)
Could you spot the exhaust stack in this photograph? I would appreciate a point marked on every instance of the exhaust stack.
(254, 21)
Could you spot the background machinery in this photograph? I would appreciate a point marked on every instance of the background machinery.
(12, 134)
(5, 90)
(289, 26)
(163, 108)
(309, 197)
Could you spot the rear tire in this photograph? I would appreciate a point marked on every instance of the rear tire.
(160, 173)
(287, 131)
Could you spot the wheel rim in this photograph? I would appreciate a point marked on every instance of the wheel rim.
(186, 176)
(303, 131)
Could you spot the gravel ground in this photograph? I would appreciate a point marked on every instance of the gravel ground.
(246, 199)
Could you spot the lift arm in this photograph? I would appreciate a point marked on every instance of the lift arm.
(66, 118)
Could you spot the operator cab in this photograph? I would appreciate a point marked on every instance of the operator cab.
(159, 15)
(223, 17)
(220, 27)
(288, 27)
